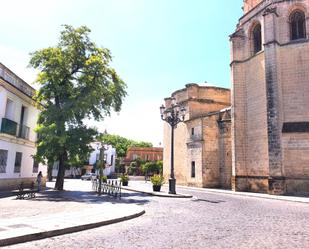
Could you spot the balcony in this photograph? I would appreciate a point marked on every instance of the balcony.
(195, 138)
(12, 128)
(23, 132)
(9, 127)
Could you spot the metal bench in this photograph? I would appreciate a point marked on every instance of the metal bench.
(22, 192)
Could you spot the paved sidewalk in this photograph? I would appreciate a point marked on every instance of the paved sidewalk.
(146, 188)
(54, 213)
(249, 194)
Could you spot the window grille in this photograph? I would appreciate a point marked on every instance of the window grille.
(17, 165)
(298, 25)
(257, 38)
(3, 160)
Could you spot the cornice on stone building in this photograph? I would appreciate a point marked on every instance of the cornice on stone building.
(11, 78)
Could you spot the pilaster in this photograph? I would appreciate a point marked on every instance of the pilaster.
(274, 98)
(238, 113)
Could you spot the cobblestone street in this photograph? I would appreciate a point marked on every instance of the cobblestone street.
(208, 220)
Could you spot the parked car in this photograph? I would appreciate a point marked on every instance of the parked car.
(88, 176)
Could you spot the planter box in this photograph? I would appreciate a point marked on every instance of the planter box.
(156, 188)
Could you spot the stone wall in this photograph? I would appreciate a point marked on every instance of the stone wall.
(270, 101)
(211, 176)
(199, 140)
(250, 4)
(195, 152)
(12, 184)
(217, 156)
(180, 152)
(225, 154)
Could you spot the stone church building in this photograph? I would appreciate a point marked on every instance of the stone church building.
(262, 143)
(270, 97)
(202, 155)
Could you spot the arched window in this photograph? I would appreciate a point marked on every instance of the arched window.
(257, 38)
(298, 25)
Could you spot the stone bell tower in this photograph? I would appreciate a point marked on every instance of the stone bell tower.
(270, 103)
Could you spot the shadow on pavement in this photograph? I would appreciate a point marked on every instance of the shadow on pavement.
(4, 194)
(89, 197)
(8, 193)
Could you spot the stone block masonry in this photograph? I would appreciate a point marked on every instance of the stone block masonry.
(203, 142)
(270, 99)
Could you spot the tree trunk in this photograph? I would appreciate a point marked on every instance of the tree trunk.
(50, 172)
(62, 156)
(61, 171)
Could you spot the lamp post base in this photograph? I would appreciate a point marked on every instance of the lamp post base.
(172, 186)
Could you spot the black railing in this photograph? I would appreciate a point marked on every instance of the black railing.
(195, 138)
(12, 128)
(9, 127)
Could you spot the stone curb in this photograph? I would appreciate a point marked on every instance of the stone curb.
(304, 200)
(157, 194)
(57, 232)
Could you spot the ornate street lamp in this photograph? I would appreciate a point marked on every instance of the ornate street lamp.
(172, 115)
(101, 167)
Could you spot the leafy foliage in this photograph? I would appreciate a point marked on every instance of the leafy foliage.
(76, 82)
(124, 178)
(121, 144)
(152, 167)
(157, 180)
(135, 167)
(119, 167)
(104, 178)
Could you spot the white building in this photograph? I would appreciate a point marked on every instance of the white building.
(109, 157)
(18, 117)
(72, 172)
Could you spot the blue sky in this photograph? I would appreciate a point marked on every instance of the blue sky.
(158, 46)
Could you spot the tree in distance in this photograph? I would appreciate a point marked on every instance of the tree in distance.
(76, 82)
(121, 144)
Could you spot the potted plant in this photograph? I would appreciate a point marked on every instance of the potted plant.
(157, 181)
(104, 179)
(124, 180)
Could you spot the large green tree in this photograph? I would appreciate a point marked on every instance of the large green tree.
(76, 83)
(121, 144)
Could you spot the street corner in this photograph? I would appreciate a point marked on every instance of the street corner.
(34, 227)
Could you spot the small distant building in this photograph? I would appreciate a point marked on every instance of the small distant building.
(143, 153)
(72, 172)
(18, 117)
(109, 158)
(202, 143)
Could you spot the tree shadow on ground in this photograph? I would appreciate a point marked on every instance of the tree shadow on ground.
(89, 197)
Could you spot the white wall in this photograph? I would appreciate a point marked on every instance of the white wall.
(26, 162)
(93, 155)
(68, 172)
(31, 114)
(14, 144)
(3, 94)
(108, 154)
